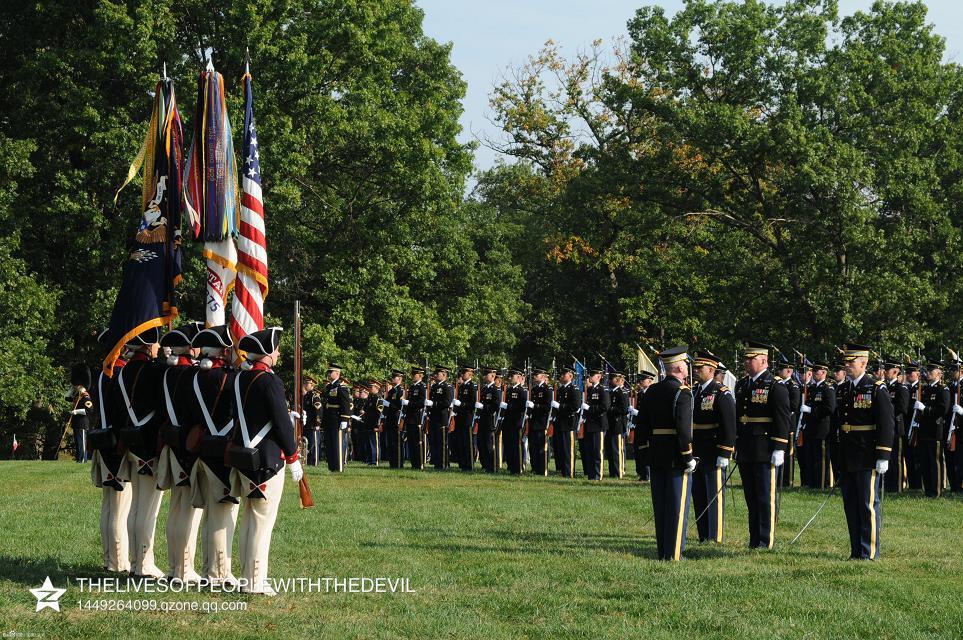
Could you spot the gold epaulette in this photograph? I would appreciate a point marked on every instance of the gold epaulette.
(723, 388)
(777, 378)
(685, 386)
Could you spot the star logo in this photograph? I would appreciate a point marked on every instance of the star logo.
(48, 595)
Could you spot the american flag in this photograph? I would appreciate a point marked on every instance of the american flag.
(251, 287)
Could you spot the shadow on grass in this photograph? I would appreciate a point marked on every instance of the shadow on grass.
(32, 571)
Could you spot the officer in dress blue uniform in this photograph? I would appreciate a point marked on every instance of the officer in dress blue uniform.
(814, 468)
(393, 406)
(514, 409)
(415, 418)
(540, 396)
(335, 418)
(463, 445)
(312, 406)
(713, 443)
(618, 422)
(899, 396)
(953, 460)
(263, 445)
(371, 413)
(762, 436)
(785, 370)
(932, 408)
(595, 409)
(911, 456)
(488, 416)
(865, 442)
(646, 379)
(567, 403)
(441, 396)
(665, 434)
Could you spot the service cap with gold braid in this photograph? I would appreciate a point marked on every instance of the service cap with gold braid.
(851, 351)
(705, 358)
(675, 354)
(754, 348)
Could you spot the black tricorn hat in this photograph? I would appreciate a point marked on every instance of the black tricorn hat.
(261, 342)
(80, 374)
(216, 336)
(146, 337)
(183, 335)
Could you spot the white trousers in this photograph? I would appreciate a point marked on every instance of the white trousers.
(254, 538)
(114, 509)
(142, 521)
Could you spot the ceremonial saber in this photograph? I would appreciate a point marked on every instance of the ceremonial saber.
(821, 507)
(721, 489)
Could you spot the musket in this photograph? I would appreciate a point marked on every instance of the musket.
(304, 491)
(528, 396)
(798, 437)
(951, 435)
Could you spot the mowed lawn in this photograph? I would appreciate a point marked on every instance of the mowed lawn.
(504, 557)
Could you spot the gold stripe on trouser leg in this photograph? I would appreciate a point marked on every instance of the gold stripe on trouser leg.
(571, 454)
(719, 506)
(679, 528)
(772, 505)
(872, 514)
(340, 450)
(601, 454)
(621, 457)
(377, 448)
(545, 455)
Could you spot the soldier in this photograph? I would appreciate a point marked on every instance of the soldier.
(334, 420)
(713, 443)
(212, 408)
(785, 370)
(82, 411)
(110, 471)
(665, 433)
(441, 395)
(263, 445)
(465, 400)
(138, 410)
(931, 410)
(312, 406)
(358, 396)
(614, 436)
(514, 408)
(814, 468)
(911, 463)
(646, 378)
(865, 443)
(415, 415)
(176, 462)
(488, 416)
(953, 461)
(370, 423)
(595, 408)
(393, 405)
(540, 396)
(900, 399)
(567, 402)
(762, 410)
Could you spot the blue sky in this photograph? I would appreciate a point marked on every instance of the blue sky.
(492, 35)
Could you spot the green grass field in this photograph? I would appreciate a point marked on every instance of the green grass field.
(503, 557)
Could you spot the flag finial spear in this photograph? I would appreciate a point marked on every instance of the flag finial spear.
(247, 60)
(164, 73)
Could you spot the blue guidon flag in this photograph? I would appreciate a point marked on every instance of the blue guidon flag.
(153, 265)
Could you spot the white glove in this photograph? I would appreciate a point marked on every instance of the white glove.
(356, 418)
(404, 402)
(919, 406)
(778, 457)
(690, 466)
(806, 408)
(958, 410)
(530, 404)
(456, 402)
(344, 425)
(294, 415)
(78, 412)
(555, 405)
(383, 402)
(429, 403)
(585, 406)
(722, 462)
(502, 405)
(296, 471)
(882, 466)
(479, 405)
(633, 411)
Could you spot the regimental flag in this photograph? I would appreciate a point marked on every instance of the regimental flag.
(153, 266)
(644, 363)
(579, 375)
(210, 191)
(251, 288)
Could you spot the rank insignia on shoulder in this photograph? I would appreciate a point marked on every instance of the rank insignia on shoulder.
(723, 388)
(777, 378)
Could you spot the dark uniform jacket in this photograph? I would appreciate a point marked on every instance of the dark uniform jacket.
(113, 457)
(141, 379)
(713, 422)
(763, 414)
(491, 397)
(866, 423)
(393, 410)
(81, 422)
(541, 397)
(441, 394)
(312, 406)
(619, 409)
(821, 398)
(516, 397)
(569, 399)
(370, 412)
(337, 405)
(664, 424)
(259, 399)
(178, 382)
(795, 401)
(899, 395)
(467, 392)
(932, 419)
(414, 414)
(216, 417)
(599, 402)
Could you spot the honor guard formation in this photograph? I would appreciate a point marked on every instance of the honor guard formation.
(217, 434)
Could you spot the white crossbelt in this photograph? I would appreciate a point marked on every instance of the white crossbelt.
(249, 442)
(102, 401)
(207, 415)
(170, 405)
(130, 411)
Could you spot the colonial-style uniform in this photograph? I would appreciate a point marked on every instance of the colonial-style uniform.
(596, 414)
(462, 443)
(440, 398)
(899, 396)
(416, 414)
(814, 468)
(618, 419)
(762, 412)
(212, 408)
(177, 457)
(713, 443)
(664, 430)
(541, 398)
(865, 443)
(488, 417)
(137, 409)
(371, 413)
(568, 397)
(263, 443)
(110, 472)
(931, 431)
(334, 421)
(393, 407)
(516, 408)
